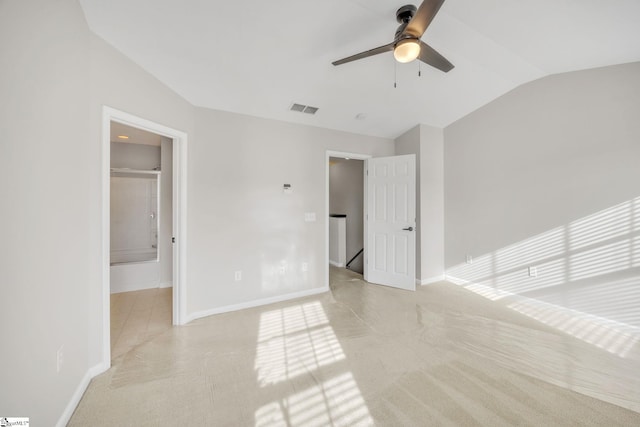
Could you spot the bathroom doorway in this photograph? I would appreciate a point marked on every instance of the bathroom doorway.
(148, 254)
(141, 229)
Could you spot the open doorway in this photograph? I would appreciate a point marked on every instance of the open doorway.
(389, 201)
(337, 164)
(144, 247)
(346, 213)
(141, 229)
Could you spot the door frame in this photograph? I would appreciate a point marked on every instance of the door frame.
(341, 154)
(179, 208)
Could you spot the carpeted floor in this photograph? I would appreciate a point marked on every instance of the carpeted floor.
(366, 355)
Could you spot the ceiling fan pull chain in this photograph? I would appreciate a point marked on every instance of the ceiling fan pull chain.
(419, 69)
(395, 74)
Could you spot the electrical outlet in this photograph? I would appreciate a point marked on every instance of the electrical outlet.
(59, 358)
(533, 272)
(305, 266)
(469, 259)
(238, 275)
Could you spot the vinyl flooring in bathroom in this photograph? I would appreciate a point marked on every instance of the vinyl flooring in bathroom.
(365, 355)
(137, 317)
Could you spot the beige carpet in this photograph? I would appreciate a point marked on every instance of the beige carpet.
(366, 355)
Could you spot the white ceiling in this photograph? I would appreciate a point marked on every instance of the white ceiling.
(259, 57)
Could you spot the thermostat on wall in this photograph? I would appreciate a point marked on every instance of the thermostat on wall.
(286, 188)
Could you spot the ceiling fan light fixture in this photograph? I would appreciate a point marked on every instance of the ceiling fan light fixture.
(406, 50)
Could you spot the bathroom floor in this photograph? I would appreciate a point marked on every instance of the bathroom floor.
(356, 356)
(138, 317)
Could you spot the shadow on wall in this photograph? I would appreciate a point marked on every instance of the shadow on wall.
(582, 278)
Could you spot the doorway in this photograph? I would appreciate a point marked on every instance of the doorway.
(141, 253)
(340, 156)
(144, 189)
(346, 213)
(389, 219)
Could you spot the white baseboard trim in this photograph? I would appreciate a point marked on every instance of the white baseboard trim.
(117, 288)
(255, 303)
(336, 264)
(432, 280)
(77, 395)
(166, 285)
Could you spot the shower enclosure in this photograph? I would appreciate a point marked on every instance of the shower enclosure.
(134, 215)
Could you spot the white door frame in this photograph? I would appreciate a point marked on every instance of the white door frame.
(179, 217)
(341, 154)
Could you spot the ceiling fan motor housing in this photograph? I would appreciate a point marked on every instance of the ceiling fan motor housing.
(405, 13)
(403, 16)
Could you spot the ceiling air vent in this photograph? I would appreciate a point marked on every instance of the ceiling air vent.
(304, 109)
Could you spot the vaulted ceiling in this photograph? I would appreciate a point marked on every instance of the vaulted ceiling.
(259, 57)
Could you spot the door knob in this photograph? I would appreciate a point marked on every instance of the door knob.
(408, 229)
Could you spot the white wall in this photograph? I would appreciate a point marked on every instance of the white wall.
(548, 153)
(432, 203)
(239, 218)
(426, 143)
(46, 204)
(346, 196)
(337, 241)
(134, 156)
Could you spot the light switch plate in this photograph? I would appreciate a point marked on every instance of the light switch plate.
(310, 217)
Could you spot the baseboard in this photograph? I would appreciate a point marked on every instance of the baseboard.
(166, 285)
(255, 303)
(117, 289)
(336, 264)
(432, 280)
(77, 395)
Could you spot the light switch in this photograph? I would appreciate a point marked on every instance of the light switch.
(310, 217)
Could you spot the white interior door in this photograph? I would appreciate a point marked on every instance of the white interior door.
(390, 222)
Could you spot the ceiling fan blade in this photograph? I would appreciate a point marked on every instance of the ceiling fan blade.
(423, 17)
(428, 55)
(365, 54)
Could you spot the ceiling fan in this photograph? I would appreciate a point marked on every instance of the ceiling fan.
(407, 45)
